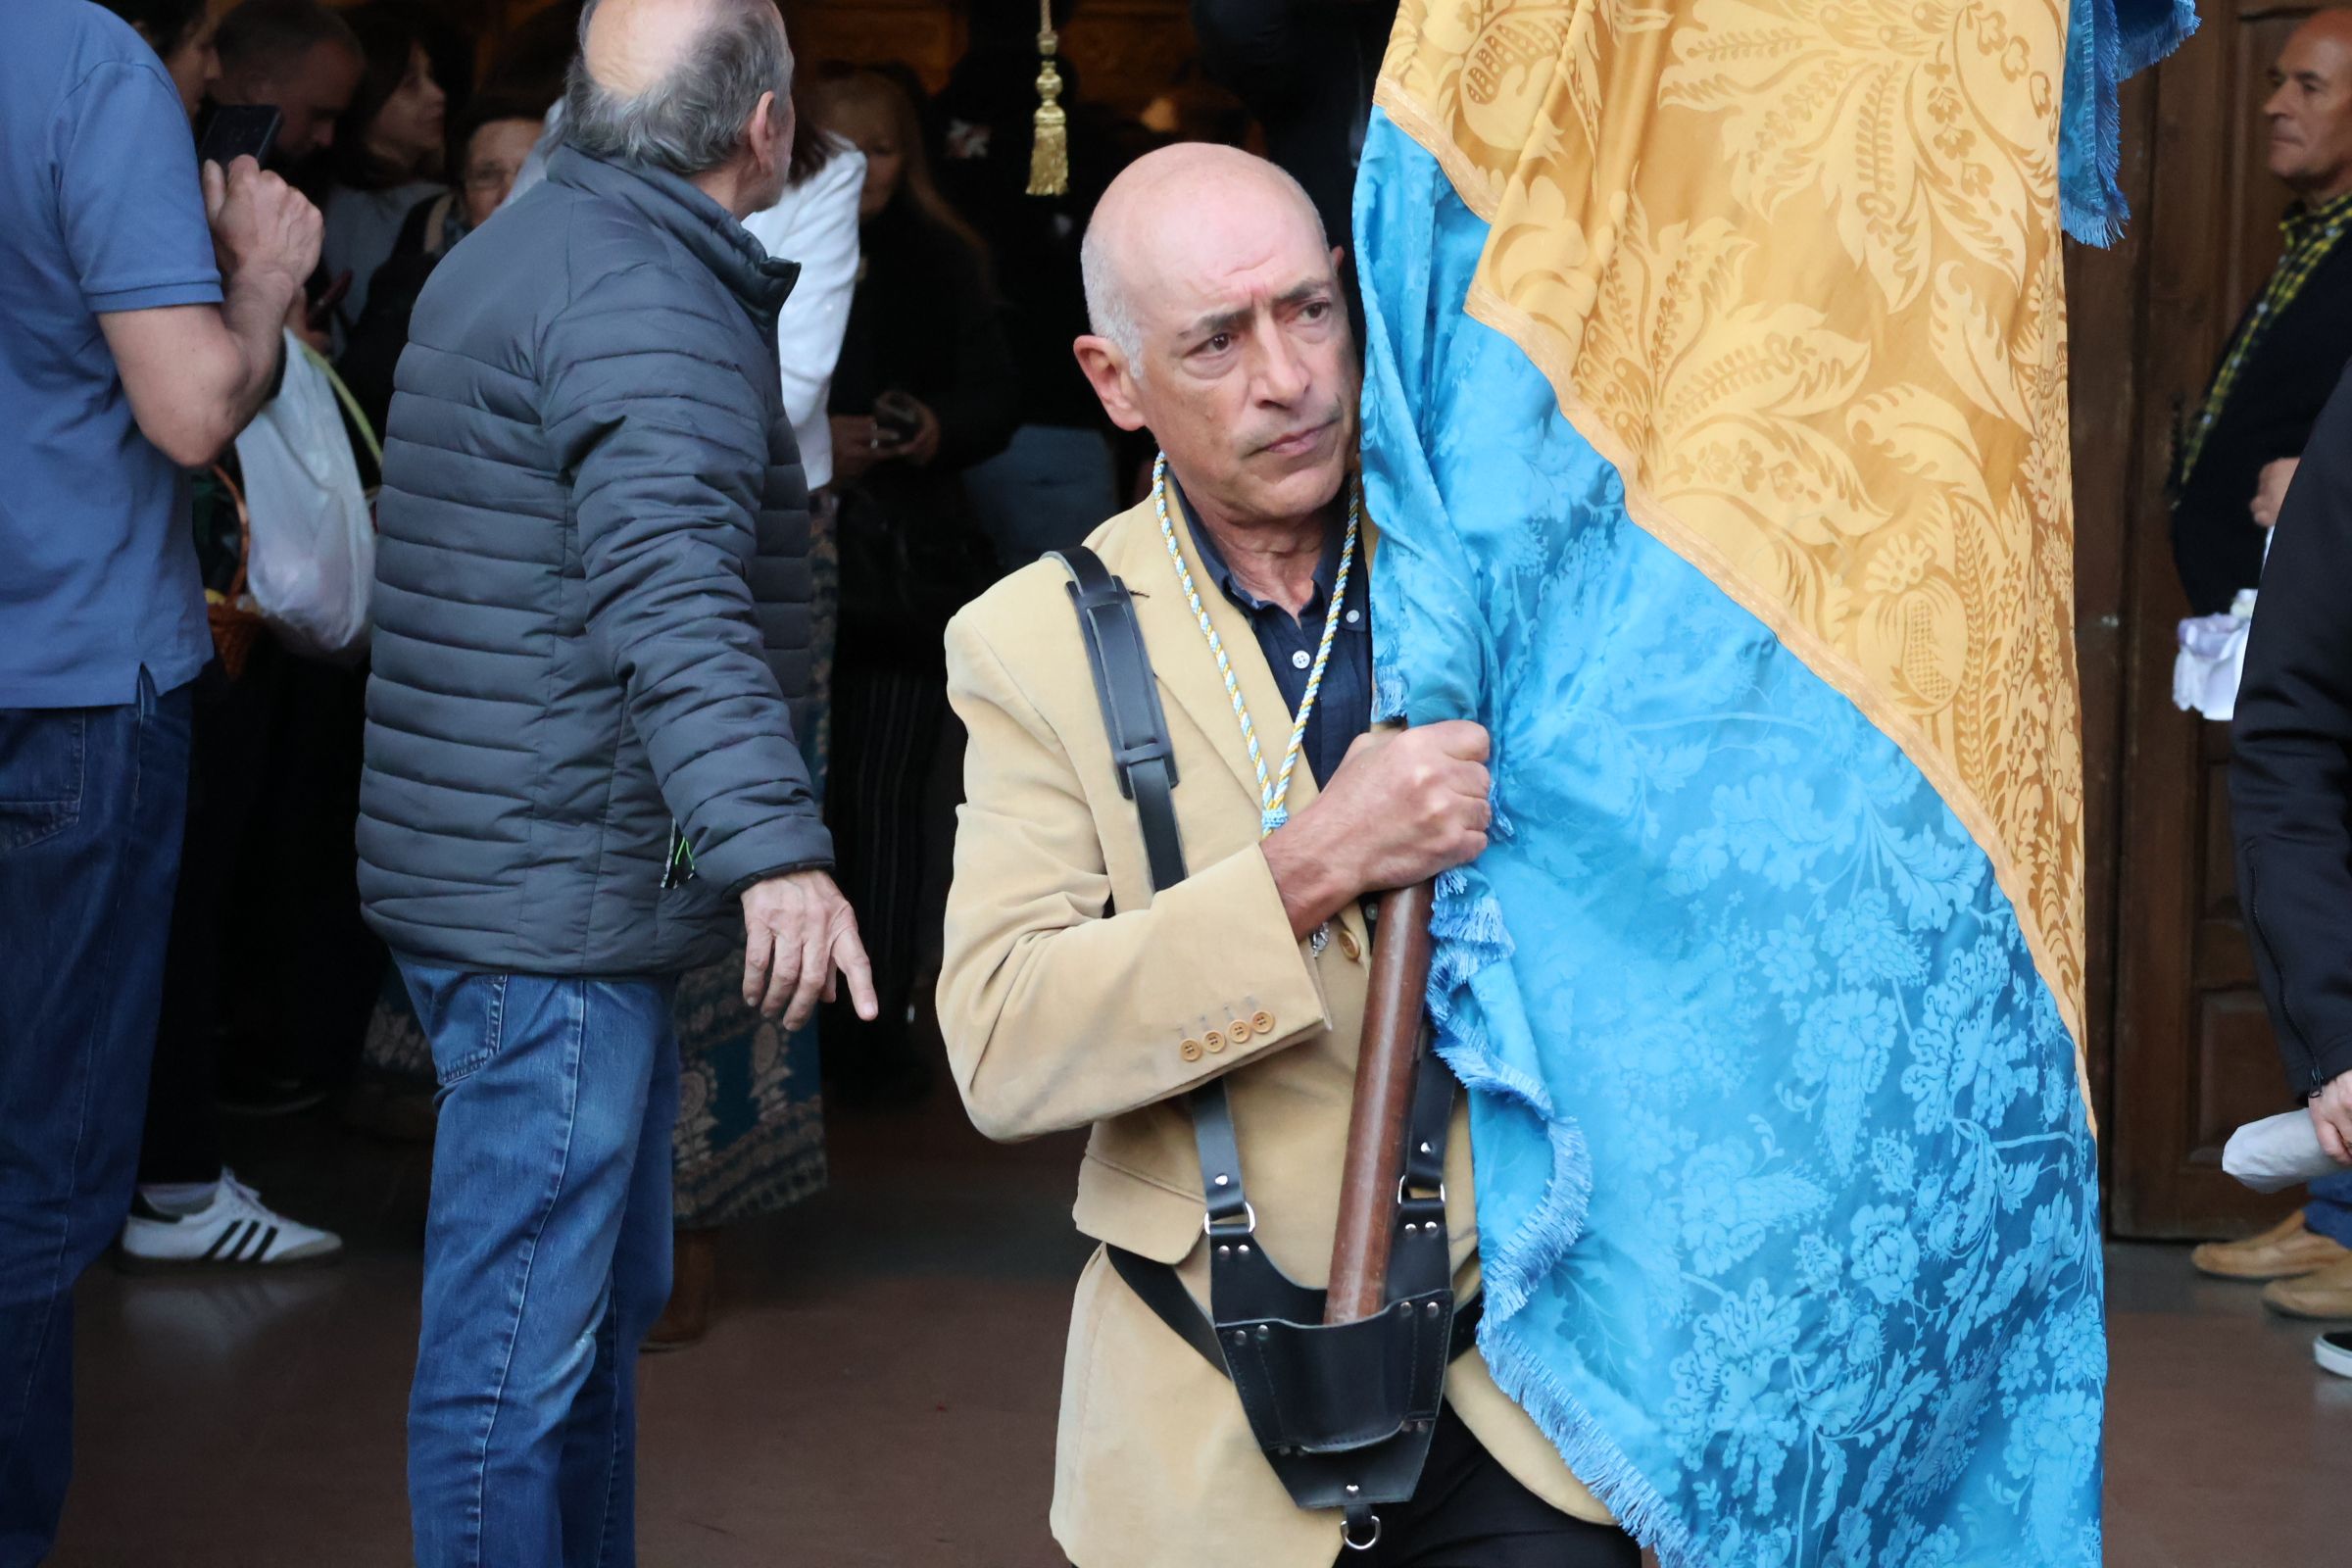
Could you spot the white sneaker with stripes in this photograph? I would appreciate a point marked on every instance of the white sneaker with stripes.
(233, 1228)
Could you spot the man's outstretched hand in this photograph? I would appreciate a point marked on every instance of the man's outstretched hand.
(799, 934)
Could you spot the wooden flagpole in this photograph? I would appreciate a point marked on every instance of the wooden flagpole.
(1384, 1069)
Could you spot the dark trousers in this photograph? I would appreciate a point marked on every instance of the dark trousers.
(887, 724)
(1469, 1513)
(91, 802)
(266, 934)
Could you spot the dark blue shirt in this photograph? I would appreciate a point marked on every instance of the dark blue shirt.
(1344, 709)
(100, 212)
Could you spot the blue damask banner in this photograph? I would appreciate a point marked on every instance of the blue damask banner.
(1787, 1193)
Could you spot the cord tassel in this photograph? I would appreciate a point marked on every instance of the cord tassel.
(1050, 152)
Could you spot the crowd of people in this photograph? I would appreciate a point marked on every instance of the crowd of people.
(703, 400)
(942, 433)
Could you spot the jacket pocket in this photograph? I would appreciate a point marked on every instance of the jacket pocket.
(1132, 1209)
(44, 766)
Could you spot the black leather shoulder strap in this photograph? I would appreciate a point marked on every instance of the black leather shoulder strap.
(1131, 713)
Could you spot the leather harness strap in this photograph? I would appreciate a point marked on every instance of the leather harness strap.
(1139, 748)
(1343, 1413)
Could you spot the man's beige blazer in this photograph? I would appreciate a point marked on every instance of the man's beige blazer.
(1071, 996)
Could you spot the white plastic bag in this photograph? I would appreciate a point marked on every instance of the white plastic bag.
(312, 562)
(2278, 1152)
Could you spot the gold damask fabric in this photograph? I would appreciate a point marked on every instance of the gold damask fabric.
(1793, 267)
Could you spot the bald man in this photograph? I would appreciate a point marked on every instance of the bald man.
(592, 632)
(1074, 994)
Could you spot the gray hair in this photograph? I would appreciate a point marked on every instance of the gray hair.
(1109, 312)
(690, 122)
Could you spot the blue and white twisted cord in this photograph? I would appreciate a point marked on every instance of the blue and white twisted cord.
(1273, 794)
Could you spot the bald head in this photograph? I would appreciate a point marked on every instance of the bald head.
(1182, 208)
(2309, 112)
(676, 83)
(632, 45)
(1220, 327)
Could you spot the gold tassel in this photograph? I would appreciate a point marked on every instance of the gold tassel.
(1049, 154)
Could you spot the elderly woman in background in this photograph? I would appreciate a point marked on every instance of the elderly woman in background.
(388, 149)
(497, 138)
(926, 387)
(751, 1133)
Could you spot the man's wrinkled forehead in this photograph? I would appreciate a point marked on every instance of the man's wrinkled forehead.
(1223, 267)
(2322, 47)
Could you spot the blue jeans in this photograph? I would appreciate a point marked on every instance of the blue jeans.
(547, 1260)
(91, 804)
(2329, 1211)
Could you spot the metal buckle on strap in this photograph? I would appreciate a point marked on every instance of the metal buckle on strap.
(1208, 1223)
(1407, 1178)
(1347, 1538)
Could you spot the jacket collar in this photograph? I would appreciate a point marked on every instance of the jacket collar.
(1132, 547)
(675, 206)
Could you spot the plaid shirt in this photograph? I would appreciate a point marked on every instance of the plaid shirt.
(2311, 234)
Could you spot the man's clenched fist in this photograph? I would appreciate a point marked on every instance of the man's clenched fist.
(1403, 805)
(260, 224)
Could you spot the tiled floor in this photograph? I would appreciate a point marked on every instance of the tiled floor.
(880, 1390)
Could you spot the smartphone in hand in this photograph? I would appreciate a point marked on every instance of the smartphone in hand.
(238, 131)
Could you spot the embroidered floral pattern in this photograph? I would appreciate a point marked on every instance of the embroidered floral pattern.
(1787, 1198)
(1792, 266)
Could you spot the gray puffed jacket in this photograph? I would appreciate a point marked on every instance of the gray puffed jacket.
(592, 600)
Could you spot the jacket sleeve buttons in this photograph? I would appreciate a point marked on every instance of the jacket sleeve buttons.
(1189, 1050)
(1262, 1021)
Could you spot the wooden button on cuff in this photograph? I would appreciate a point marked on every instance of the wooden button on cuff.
(1214, 1041)
(1189, 1050)
(1262, 1021)
(1240, 1032)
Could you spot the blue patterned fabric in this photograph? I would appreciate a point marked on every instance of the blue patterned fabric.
(1786, 1194)
(2107, 43)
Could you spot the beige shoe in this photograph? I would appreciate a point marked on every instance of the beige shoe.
(2326, 1294)
(2285, 1252)
(693, 1292)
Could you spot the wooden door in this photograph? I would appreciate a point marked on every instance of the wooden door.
(2192, 1054)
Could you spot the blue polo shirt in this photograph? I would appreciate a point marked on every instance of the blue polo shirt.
(100, 211)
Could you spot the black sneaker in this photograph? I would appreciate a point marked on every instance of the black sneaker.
(246, 1090)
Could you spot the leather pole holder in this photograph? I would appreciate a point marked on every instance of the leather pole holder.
(1345, 1412)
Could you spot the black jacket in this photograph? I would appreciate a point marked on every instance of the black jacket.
(921, 321)
(2290, 781)
(592, 601)
(2268, 416)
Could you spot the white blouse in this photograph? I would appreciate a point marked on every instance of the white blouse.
(817, 225)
